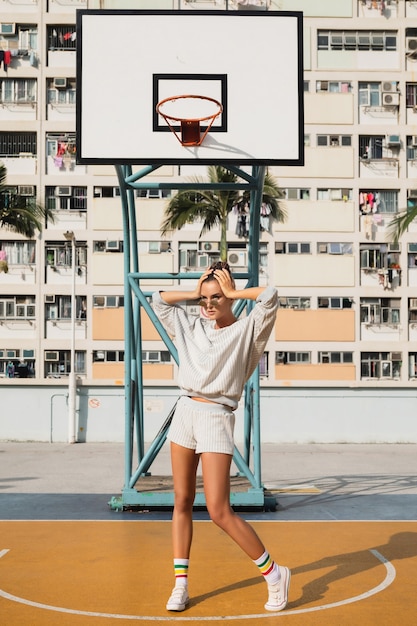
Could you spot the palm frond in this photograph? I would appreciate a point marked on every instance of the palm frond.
(399, 224)
(19, 214)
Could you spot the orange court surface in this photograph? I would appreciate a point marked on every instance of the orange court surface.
(115, 568)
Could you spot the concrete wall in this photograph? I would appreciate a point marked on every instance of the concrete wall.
(289, 415)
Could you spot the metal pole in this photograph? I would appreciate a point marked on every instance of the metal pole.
(72, 382)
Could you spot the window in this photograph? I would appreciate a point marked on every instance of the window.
(371, 147)
(333, 86)
(19, 252)
(411, 95)
(380, 365)
(264, 365)
(18, 90)
(62, 149)
(23, 39)
(17, 363)
(108, 356)
(296, 193)
(334, 140)
(61, 95)
(335, 357)
(334, 194)
(153, 193)
(61, 37)
(60, 307)
(370, 94)
(291, 302)
(292, 357)
(111, 245)
(57, 363)
(292, 247)
(411, 148)
(334, 248)
(356, 40)
(106, 192)
(334, 303)
(412, 365)
(14, 144)
(379, 256)
(17, 307)
(380, 201)
(156, 356)
(412, 256)
(108, 302)
(380, 311)
(60, 254)
(75, 198)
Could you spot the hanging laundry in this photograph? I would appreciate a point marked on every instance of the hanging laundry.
(7, 59)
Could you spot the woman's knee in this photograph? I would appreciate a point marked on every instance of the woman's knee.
(220, 515)
(183, 502)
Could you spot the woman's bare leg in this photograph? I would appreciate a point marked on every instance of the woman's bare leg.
(216, 475)
(184, 463)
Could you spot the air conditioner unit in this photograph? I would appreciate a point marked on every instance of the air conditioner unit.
(26, 190)
(52, 355)
(413, 303)
(393, 140)
(208, 246)
(7, 28)
(63, 191)
(49, 298)
(396, 356)
(322, 248)
(237, 258)
(113, 244)
(394, 247)
(280, 357)
(412, 193)
(390, 99)
(203, 260)
(389, 86)
(154, 247)
(411, 44)
(279, 246)
(414, 141)
(60, 83)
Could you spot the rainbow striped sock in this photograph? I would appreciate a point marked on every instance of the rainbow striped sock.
(181, 572)
(268, 568)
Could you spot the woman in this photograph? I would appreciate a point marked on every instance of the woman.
(217, 355)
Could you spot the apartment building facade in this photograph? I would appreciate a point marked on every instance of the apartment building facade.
(346, 331)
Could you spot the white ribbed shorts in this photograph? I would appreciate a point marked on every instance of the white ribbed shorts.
(202, 426)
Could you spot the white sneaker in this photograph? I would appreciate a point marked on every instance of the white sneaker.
(178, 599)
(278, 593)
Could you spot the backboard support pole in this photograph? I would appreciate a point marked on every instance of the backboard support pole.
(134, 493)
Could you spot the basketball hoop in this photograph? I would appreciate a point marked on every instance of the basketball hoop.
(177, 110)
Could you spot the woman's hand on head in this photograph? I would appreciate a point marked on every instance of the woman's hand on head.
(203, 277)
(226, 283)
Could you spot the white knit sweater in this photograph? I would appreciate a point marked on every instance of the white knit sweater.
(216, 363)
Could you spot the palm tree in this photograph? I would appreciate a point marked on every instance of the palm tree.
(212, 207)
(20, 214)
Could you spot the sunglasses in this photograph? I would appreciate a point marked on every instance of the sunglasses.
(213, 301)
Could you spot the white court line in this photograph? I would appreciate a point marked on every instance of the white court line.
(3, 552)
(388, 580)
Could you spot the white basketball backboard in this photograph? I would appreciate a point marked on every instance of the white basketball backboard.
(251, 62)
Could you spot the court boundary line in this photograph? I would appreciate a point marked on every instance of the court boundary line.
(388, 580)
